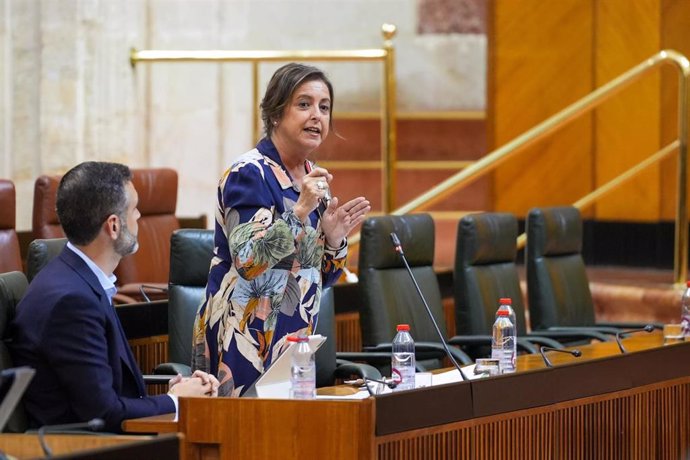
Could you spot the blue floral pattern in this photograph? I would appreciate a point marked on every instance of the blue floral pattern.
(266, 275)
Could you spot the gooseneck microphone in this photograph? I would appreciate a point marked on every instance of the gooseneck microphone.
(619, 335)
(95, 424)
(576, 353)
(389, 383)
(398, 248)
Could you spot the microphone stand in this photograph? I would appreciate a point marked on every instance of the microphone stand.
(619, 335)
(398, 248)
(542, 349)
(95, 424)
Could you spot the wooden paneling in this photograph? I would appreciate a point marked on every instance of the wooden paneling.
(19, 446)
(348, 332)
(675, 34)
(544, 56)
(286, 429)
(627, 126)
(539, 62)
(149, 352)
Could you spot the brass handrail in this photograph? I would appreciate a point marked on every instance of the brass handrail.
(386, 55)
(493, 159)
(591, 197)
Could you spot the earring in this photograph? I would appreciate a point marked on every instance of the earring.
(275, 123)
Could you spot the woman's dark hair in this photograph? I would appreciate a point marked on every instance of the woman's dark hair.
(87, 195)
(283, 84)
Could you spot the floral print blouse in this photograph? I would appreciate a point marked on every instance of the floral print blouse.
(266, 275)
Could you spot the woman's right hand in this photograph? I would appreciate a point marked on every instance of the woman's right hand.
(314, 187)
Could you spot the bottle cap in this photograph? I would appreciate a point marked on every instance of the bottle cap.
(503, 313)
(505, 301)
(688, 283)
(403, 327)
(298, 338)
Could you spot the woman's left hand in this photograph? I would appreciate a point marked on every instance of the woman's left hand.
(338, 221)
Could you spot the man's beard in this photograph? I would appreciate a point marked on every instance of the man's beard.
(126, 242)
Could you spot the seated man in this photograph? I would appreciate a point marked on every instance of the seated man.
(66, 327)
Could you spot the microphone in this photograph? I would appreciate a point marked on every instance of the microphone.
(398, 248)
(619, 335)
(364, 381)
(95, 424)
(576, 353)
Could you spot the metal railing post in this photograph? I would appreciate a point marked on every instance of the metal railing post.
(388, 122)
(680, 260)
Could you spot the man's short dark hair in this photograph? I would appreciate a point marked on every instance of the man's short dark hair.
(87, 195)
(283, 84)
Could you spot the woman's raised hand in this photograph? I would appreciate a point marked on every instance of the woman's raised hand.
(338, 221)
(314, 188)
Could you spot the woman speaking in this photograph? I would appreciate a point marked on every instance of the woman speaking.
(279, 237)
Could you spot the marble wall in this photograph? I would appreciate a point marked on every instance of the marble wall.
(68, 92)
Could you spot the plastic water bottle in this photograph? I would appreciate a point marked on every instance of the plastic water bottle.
(506, 303)
(503, 342)
(685, 311)
(402, 360)
(303, 370)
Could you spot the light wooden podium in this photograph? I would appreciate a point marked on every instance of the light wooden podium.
(603, 405)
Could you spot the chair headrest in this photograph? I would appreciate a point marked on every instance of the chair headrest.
(191, 251)
(157, 189)
(45, 221)
(416, 233)
(554, 231)
(487, 238)
(8, 218)
(40, 252)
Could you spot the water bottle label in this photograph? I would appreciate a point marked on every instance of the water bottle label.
(503, 350)
(396, 376)
(685, 324)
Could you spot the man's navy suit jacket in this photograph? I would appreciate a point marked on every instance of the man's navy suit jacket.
(68, 331)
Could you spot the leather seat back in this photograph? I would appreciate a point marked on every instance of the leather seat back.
(191, 251)
(45, 223)
(485, 271)
(557, 284)
(326, 354)
(41, 252)
(388, 294)
(12, 288)
(10, 256)
(157, 189)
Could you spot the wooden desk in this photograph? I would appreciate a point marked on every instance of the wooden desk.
(24, 446)
(602, 405)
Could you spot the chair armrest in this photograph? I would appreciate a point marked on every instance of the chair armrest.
(629, 325)
(572, 333)
(425, 350)
(346, 369)
(120, 299)
(458, 354)
(541, 340)
(463, 340)
(600, 329)
(173, 369)
(373, 358)
(150, 379)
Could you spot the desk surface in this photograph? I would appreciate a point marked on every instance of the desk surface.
(525, 363)
(601, 405)
(28, 445)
